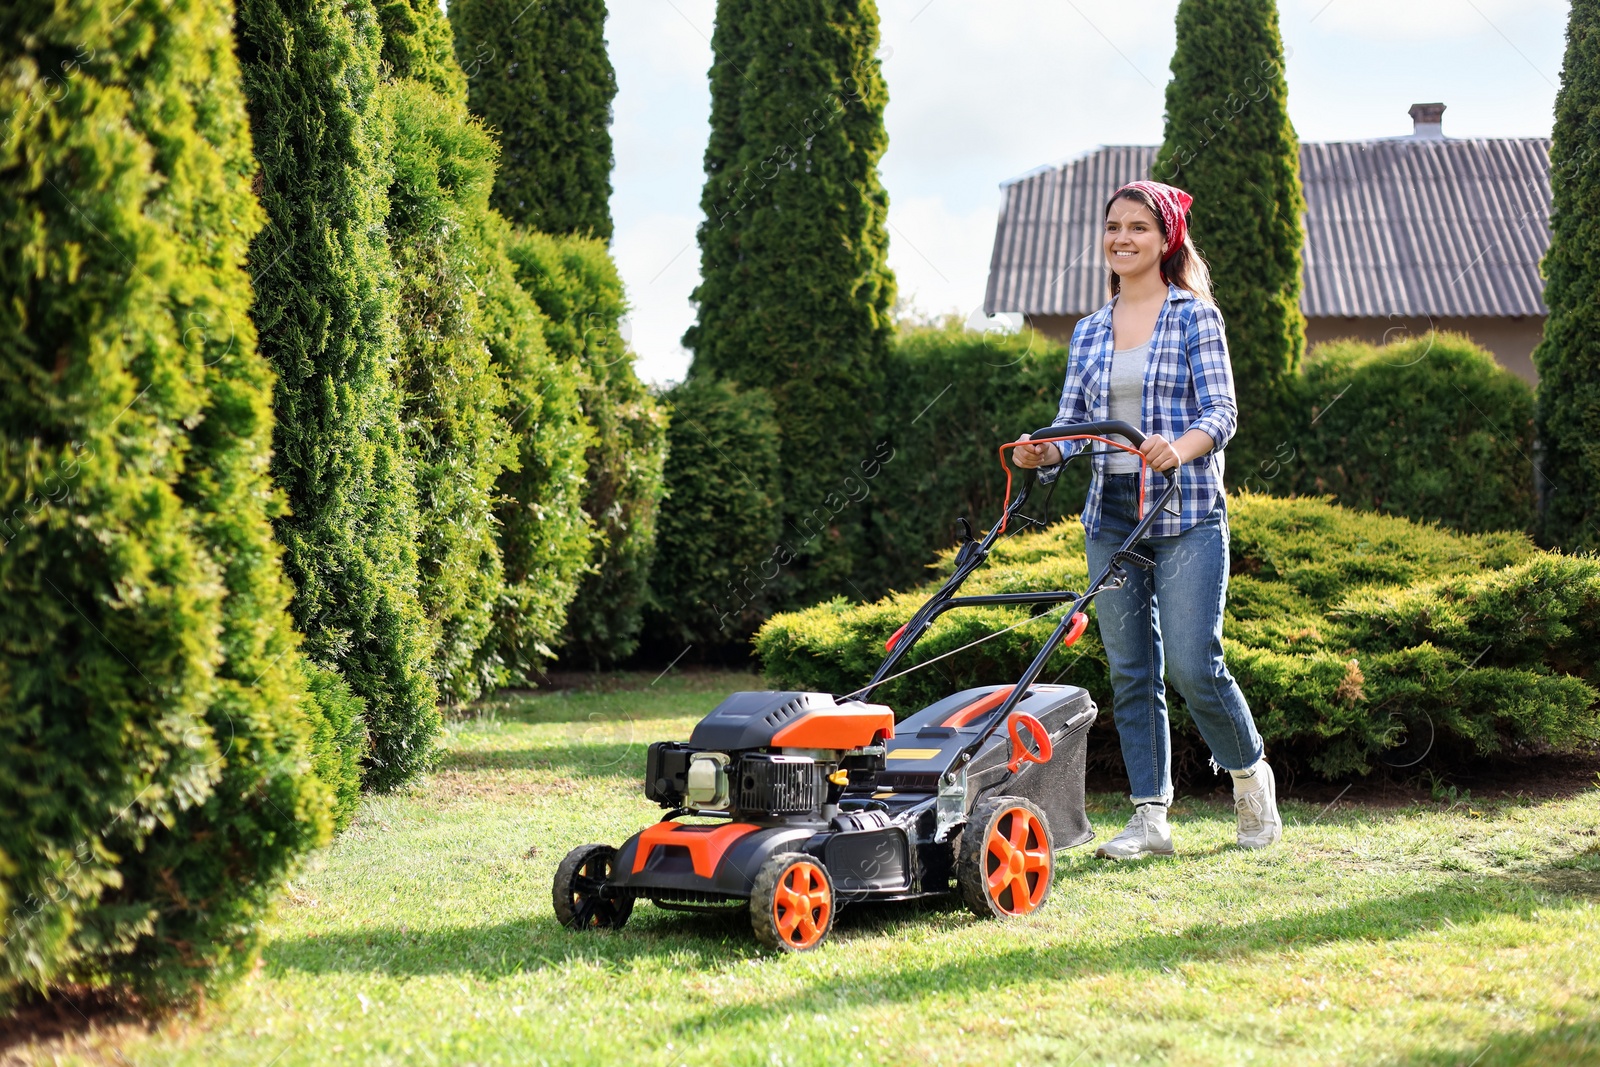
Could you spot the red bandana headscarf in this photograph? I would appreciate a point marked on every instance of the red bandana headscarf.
(1173, 203)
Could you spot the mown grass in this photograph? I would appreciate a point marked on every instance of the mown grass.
(1432, 934)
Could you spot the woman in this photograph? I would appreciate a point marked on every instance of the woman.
(1155, 356)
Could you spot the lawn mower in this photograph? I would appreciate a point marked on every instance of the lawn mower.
(804, 802)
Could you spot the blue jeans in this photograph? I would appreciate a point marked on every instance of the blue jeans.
(1188, 587)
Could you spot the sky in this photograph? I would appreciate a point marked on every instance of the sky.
(984, 91)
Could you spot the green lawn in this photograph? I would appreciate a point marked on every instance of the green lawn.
(1430, 934)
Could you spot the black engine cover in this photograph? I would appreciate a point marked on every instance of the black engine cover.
(749, 720)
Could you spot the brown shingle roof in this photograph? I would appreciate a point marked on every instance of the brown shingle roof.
(1406, 226)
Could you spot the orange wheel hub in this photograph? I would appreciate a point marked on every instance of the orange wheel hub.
(802, 905)
(1018, 862)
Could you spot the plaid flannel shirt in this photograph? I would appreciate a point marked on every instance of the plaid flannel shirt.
(1188, 385)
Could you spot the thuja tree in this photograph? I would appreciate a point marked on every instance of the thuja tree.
(795, 293)
(539, 76)
(576, 284)
(154, 779)
(546, 537)
(443, 166)
(324, 310)
(491, 418)
(1568, 359)
(1230, 144)
(458, 441)
(719, 545)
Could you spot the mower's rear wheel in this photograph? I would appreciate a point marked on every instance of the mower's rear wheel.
(577, 890)
(1006, 860)
(792, 902)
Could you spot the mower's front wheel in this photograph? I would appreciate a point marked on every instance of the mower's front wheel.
(1006, 859)
(577, 893)
(792, 902)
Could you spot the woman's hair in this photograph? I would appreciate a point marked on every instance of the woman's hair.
(1186, 267)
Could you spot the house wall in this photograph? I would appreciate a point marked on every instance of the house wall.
(1512, 340)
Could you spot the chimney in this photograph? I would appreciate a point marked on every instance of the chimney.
(1427, 121)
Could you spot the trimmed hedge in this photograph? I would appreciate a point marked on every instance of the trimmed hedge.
(1355, 636)
(154, 784)
(459, 444)
(494, 421)
(955, 395)
(544, 534)
(718, 548)
(1431, 429)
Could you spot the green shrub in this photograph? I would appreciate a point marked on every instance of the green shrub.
(1229, 142)
(1351, 633)
(575, 282)
(338, 731)
(1568, 358)
(154, 784)
(795, 291)
(324, 309)
(539, 76)
(718, 542)
(1431, 429)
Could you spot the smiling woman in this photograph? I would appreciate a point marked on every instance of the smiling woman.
(1156, 357)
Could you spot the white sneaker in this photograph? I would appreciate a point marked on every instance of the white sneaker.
(1147, 834)
(1256, 801)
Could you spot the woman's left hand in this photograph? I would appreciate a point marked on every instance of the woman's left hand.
(1160, 453)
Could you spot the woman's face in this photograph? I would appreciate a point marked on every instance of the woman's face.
(1132, 240)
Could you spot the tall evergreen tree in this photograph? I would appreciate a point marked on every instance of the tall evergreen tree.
(489, 418)
(545, 535)
(1230, 144)
(1568, 359)
(576, 284)
(795, 293)
(539, 76)
(154, 778)
(324, 308)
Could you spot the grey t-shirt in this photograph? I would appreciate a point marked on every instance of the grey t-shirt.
(1127, 401)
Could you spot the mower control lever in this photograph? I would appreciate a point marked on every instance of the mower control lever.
(1020, 753)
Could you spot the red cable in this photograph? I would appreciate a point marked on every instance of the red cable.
(1144, 466)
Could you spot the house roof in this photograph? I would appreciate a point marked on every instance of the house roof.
(1404, 226)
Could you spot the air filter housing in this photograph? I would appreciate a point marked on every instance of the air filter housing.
(779, 785)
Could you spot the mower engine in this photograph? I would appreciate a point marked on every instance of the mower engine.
(765, 756)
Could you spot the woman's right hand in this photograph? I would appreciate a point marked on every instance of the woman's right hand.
(1029, 456)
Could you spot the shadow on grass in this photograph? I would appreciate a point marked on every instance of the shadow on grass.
(690, 940)
(1462, 901)
(578, 759)
(598, 707)
(1574, 1042)
(700, 941)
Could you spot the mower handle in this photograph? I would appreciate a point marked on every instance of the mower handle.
(1085, 429)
